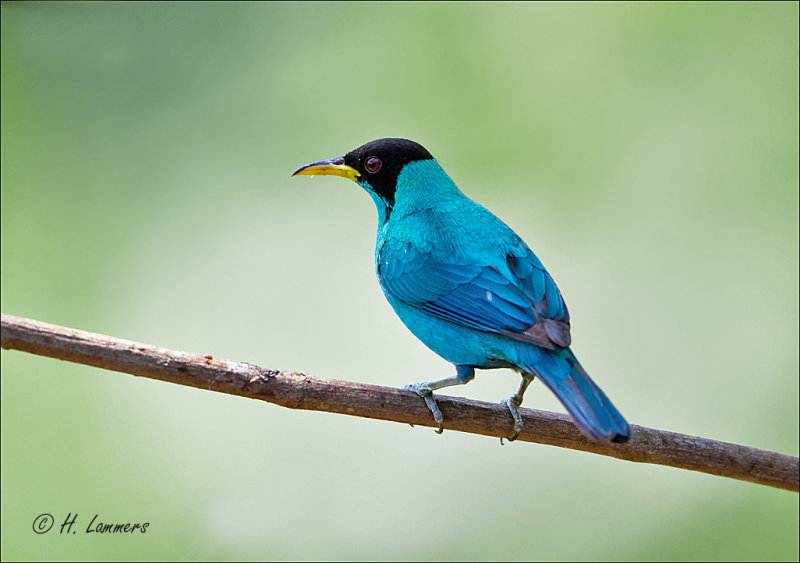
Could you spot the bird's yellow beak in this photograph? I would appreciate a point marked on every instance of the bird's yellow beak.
(332, 167)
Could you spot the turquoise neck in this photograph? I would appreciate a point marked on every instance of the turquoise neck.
(422, 184)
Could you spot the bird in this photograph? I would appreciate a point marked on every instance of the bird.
(466, 285)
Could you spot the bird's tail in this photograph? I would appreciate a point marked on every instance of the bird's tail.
(592, 411)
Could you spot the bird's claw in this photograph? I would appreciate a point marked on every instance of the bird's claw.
(513, 406)
(424, 391)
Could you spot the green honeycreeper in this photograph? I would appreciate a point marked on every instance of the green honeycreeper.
(467, 285)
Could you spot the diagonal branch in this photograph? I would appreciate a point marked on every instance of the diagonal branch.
(300, 391)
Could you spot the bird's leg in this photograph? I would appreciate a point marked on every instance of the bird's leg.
(425, 390)
(515, 400)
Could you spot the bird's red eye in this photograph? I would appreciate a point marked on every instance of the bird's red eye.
(373, 164)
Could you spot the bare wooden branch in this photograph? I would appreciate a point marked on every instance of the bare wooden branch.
(300, 391)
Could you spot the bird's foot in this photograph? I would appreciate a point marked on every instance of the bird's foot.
(424, 391)
(513, 403)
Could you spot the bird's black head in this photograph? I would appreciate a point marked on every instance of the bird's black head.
(379, 163)
(376, 164)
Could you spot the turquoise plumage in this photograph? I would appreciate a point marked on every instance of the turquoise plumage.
(467, 285)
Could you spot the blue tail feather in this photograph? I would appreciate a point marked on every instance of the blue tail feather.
(590, 408)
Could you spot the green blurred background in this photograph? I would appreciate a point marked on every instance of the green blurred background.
(647, 152)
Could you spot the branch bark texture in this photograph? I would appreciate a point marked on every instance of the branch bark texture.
(299, 391)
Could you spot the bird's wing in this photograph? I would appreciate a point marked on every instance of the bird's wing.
(515, 297)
